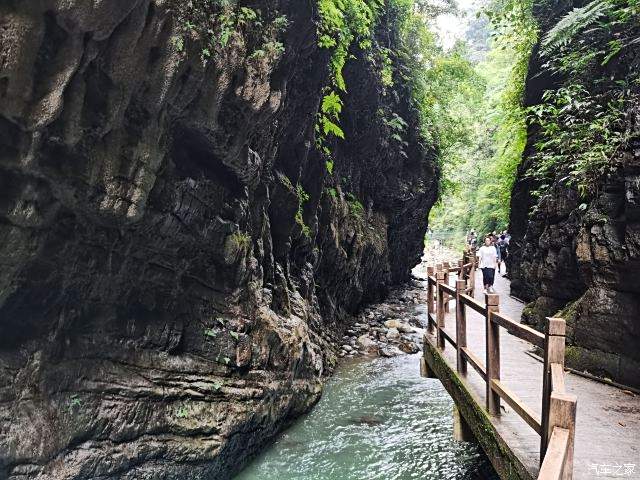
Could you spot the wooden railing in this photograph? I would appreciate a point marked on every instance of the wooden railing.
(556, 427)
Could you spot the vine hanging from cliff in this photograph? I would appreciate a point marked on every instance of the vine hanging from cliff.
(342, 22)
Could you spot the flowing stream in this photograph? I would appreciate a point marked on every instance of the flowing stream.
(377, 420)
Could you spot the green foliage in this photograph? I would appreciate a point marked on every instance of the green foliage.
(591, 36)
(329, 164)
(74, 402)
(580, 133)
(397, 126)
(303, 197)
(483, 146)
(342, 23)
(241, 241)
(225, 360)
(441, 83)
(217, 385)
(213, 24)
(182, 412)
(269, 48)
(209, 332)
(386, 73)
(574, 22)
(330, 115)
(333, 192)
(582, 123)
(355, 206)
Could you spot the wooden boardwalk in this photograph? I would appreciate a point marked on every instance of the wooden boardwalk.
(607, 433)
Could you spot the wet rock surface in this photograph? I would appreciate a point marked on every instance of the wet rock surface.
(169, 299)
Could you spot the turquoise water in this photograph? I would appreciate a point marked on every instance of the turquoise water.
(377, 420)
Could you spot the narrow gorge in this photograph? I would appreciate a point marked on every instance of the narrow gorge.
(205, 205)
(179, 252)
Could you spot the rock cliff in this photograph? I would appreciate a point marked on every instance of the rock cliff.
(177, 259)
(576, 254)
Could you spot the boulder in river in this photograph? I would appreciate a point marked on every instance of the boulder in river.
(400, 326)
(390, 351)
(366, 342)
(409, 346)
(393, 334)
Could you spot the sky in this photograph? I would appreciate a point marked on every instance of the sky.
(453, 27)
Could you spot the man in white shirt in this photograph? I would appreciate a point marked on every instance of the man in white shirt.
(488, 263)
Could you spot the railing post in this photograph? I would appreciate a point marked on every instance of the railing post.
(472, 272)
(461, 326)
(439, 309)
(492, 302)
(430, 298)
(445, 267)
(554, 344)
(562, 414)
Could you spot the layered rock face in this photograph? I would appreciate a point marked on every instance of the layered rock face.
(577, 256)
(176, 257)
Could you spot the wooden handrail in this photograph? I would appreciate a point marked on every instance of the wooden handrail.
(474, 304)
(562, 416)
(557, 378)
(449, 338)
(518, 405)
(475, 362)
(447, 289)
(556, 425)
(519, 330)
(554, 461)
(554, 346)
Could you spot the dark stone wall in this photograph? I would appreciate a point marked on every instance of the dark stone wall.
(578, 257)
(162, 312)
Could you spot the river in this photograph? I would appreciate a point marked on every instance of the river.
(377, 420)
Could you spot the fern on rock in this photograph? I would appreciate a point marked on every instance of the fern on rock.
(573, 23)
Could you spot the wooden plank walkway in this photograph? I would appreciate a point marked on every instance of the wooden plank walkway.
(607, 438)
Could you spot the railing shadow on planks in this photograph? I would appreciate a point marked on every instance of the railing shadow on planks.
(557, 425)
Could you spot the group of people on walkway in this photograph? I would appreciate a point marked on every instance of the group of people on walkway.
(492, 254)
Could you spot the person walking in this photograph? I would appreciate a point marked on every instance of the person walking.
(488, 262)
(503, 248)
(471, 239)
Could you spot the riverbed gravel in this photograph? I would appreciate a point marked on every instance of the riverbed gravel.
(396, 326)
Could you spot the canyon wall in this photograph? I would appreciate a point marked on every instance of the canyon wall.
(176, 258)
(577, 254)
